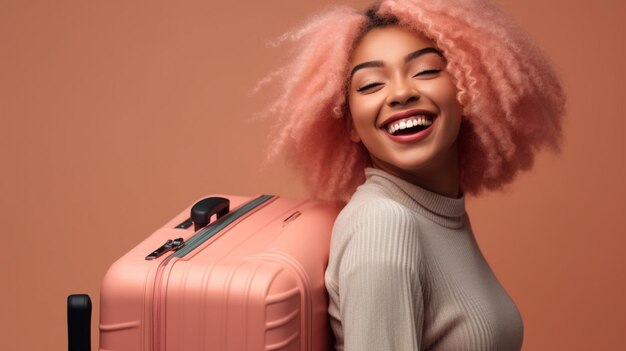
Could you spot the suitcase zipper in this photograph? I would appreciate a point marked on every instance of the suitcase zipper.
(170, 245)
(220, 224)
(180, 248)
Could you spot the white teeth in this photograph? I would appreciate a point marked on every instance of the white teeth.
(419, 121)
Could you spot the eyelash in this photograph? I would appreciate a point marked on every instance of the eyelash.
(428, 71)
(376, 84)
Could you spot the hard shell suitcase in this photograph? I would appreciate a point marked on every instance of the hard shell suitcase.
(252, 279)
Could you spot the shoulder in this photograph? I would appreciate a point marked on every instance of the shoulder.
(375, 229)
(375, 213)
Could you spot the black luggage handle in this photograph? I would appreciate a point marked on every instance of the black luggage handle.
(202, 211)
(79, 322)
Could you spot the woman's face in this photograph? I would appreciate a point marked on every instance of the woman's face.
(403, 103)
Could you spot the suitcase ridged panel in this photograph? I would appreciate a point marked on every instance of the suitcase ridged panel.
(226, 308)
(284, 302)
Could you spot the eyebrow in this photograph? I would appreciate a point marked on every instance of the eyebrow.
(407, 58)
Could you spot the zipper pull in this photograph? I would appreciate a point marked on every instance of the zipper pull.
(170, 245)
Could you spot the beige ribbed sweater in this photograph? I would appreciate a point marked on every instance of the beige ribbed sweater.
(405, 273)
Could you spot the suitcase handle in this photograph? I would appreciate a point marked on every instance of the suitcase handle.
(79, 322)
(202, 210)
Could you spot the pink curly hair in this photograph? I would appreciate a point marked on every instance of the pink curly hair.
(512, 99)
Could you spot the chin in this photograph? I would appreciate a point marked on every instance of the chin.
(409, 166)
(411, 163)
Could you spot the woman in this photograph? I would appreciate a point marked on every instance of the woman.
(416, 103)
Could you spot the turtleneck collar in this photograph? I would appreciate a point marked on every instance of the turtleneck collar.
(443, 210)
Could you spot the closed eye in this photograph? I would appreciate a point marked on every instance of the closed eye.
(430, 71)
(369, 86)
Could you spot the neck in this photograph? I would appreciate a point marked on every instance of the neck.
(440, 177)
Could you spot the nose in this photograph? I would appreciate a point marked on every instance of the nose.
(402, 93)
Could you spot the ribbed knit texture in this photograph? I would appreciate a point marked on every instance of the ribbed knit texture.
(405, 273)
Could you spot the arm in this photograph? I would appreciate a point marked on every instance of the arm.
(381, 303)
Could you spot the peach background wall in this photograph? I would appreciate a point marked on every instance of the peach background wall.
(115, 115)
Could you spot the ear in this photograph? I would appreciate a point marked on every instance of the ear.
(354, 135)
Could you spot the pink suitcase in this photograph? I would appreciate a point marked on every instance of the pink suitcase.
(253, 279)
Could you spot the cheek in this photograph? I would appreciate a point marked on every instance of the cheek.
(356, 111)
(364, 109)
(444, 96)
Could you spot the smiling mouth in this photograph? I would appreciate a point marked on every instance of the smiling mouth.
(409, 125)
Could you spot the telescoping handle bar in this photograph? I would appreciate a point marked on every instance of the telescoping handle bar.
(79, 322)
